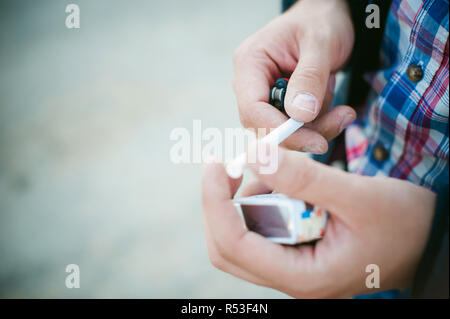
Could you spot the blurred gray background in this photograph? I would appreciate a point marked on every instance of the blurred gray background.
(85, 118)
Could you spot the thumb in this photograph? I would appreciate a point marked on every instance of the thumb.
(309, 82)
(299, 176)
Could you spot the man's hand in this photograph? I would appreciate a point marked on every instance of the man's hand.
(311, 41)
(373, 220)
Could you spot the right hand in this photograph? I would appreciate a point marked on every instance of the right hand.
(372, 220)
(311, 41)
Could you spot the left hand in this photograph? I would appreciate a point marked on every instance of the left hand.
(373, 220)
(309, 43)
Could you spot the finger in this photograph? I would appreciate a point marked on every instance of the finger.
(309, 82)
(329, 96)
(301, 177)
(262, 117)
(260, 60)
(233, 183)
(334, 122)
(221, 263)
(273, 263)
(254, 72)
(254, 187)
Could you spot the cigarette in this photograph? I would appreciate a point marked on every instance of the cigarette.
(235, 168)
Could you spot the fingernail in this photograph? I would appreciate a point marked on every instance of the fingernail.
(348, 119)
(314, 148)
(305, 102)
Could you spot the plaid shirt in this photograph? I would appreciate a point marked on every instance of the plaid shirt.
(406, 121)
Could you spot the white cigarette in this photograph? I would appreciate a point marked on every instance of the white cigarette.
(235, 168)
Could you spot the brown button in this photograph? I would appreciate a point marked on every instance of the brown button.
(415, 73)
(380, 153)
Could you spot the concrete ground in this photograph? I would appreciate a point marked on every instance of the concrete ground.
(85, 118)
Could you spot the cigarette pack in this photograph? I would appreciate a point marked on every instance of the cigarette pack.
(282, 219)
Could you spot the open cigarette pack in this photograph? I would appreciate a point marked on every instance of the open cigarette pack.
(282, 219)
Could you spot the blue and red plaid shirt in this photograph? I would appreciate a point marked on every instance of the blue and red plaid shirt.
(408, 120)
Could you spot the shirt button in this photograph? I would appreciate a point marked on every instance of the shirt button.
(380, 153)
(415, 73)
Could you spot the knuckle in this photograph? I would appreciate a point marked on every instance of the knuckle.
(226, 249)
(245, 120)
(249, 48)
(240, 53)
(323, 35)
(220, 248)
(247, 115)
(310, 74)
(216, 260)
(236, 55)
